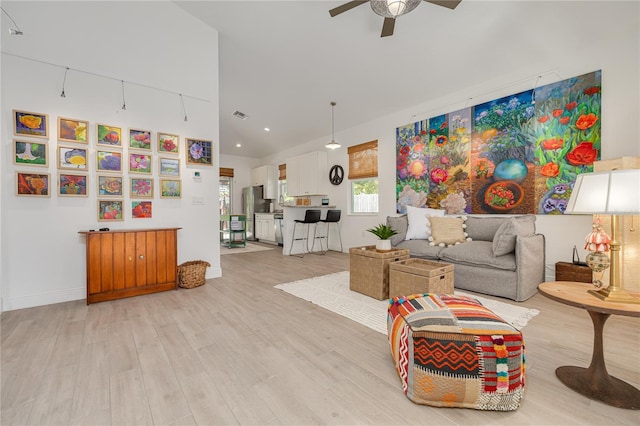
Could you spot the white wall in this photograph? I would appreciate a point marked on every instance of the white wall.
(618, 56)
(154, 44)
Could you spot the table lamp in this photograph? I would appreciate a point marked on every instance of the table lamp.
(615, 193)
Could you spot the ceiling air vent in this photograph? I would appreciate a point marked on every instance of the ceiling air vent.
(240, 115)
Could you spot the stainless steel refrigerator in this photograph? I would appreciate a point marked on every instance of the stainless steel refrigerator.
(252, 202)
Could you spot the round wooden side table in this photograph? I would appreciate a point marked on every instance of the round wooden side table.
(594, 382)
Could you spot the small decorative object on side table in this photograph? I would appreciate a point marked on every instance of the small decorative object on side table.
(594, 382)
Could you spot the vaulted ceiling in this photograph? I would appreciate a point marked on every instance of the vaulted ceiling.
(283, 62)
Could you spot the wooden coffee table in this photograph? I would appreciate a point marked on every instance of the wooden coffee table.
(594, 382)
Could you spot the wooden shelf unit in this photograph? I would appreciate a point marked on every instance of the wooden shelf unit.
(126, 263)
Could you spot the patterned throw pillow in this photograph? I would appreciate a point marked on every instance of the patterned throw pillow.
(448, 231)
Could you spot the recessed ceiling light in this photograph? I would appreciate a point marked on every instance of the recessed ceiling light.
(266, 129)
(238, 145)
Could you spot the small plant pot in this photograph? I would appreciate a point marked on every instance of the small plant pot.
(383, 245)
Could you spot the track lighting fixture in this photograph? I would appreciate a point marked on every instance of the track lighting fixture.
(64, 80)
(12, 31)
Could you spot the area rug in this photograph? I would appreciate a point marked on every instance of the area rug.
(239, 250)
(332, 292)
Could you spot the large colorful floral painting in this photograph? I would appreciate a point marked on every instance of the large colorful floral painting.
(517, 154)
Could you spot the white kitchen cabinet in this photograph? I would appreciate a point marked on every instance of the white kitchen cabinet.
(307, 174)
(267, 177)
(265, 228)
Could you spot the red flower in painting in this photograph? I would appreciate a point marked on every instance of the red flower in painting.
(564, 120)
(550, 170)
(439, 175)
(583, 154)
(552, 143)
(571, 106)
(432, 131)
(543, 119)
(557, 113)
(591, 90)
(444, 125)
(405, 150)
(423, 132)
(586, 121)
(401, 162)
(441, 140)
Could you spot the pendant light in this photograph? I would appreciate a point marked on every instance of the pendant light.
(333, 144)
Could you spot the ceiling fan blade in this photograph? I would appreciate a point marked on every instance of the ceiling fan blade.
(387, 27)
(450, 4)
(347, 6)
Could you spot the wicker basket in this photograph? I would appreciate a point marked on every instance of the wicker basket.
(369, 270)
(191, 274)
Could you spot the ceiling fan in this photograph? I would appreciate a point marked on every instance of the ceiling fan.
(391, 9)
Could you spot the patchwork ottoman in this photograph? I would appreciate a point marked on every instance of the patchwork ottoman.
(451, 351)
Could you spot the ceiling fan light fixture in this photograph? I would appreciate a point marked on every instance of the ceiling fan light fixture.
(393, 8)
(333, 144)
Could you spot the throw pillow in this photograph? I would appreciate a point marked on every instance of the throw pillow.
(419, 228)
(400, 225)
(447, 231)
(504, 242)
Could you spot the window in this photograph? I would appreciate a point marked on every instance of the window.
(363, 173)
(283, 198)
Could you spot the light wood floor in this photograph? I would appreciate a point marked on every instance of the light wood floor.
(238, 351)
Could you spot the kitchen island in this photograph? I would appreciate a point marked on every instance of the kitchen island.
(292, 213)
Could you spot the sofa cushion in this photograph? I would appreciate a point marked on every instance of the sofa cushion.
(447, 230)
(504, 241)
(420, 248)
(400, 225)
(419, 228)
(478, 253)
(484, 228)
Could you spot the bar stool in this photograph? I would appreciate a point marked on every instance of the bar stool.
(310, 217)
(333, 216)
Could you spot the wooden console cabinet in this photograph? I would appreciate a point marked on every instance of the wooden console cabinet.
(125, 263)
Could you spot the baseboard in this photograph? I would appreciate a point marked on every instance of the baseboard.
(13, 303)
(213, 273)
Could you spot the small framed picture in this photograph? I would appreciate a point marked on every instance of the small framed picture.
(109, 135)
(168, 143)
(199, 152)
(27, 153)
(72, 185)
(141, 209)
(139, 163)
(32, 184)
(110, 210)
(169, 167)
(140, 139)
(72, 158)
(71, 130)
(170, 188)
(110, 186)
(141, 188)
(32, 124)
(109, 161)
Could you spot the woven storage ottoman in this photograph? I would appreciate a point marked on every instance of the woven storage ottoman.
(414, 276)
(369, 270)
(451, 351)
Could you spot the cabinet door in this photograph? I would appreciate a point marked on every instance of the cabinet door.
(270, 231)
(259, 176)
(293, 172)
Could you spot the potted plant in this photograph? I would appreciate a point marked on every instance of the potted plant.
(383, 232)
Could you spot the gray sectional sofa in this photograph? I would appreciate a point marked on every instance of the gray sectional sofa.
(504, 258)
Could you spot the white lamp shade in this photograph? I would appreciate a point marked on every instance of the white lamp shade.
(612, 192)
